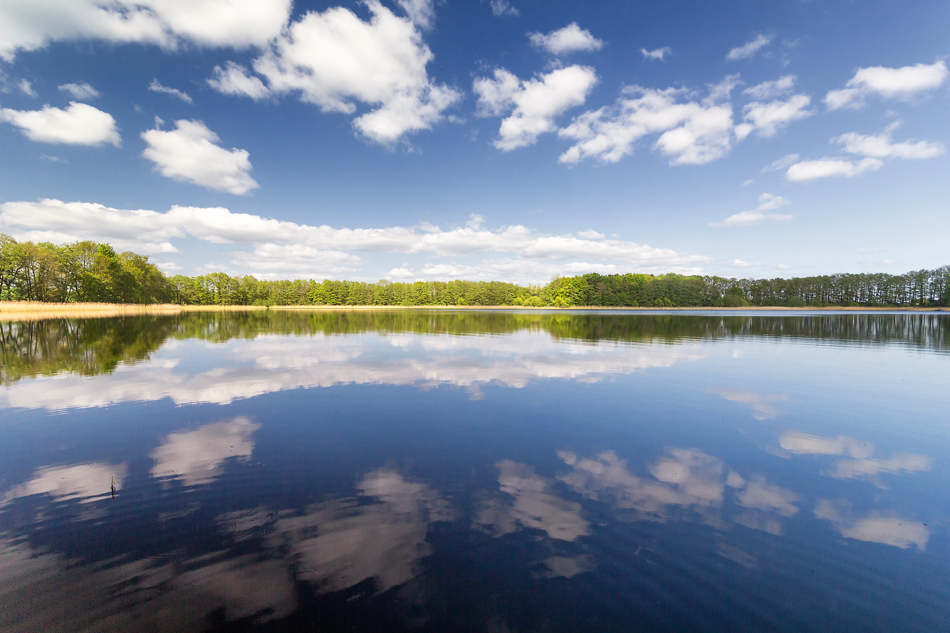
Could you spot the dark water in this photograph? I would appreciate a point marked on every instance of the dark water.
(503, 471)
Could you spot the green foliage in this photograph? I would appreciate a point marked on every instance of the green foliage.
(87, 271)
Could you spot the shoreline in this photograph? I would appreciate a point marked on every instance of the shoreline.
(35, 311)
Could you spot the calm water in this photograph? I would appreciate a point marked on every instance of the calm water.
(503, 471)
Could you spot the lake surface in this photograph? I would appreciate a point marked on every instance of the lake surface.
(476, 471)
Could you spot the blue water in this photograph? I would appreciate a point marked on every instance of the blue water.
(476, 471)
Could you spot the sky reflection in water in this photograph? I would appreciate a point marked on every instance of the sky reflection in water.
(506, 472)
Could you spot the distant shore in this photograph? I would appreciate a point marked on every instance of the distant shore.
(33, 310)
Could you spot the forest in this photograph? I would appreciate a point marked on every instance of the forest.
(90, 271)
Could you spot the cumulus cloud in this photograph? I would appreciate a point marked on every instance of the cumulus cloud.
(281, 246)
(771, 89)
(749, 48)
(591, 234)
(874, 150)
(421, 12)
(533, 104)
(570, 39)
(80, 91)
(831, 168)
(767, 119)
(27, 26)
(881, 146)
(235, 79)
(890, 83)
(79, 124)
(190, 153)
(335, 61)
(500, 8)
(155, 86)
(656, 53)
(691, 132)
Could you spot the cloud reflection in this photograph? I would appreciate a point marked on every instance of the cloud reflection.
(84, 482)
(266, 365)
(532, 505)
(863, 465)
(873, 528)
(762, 405)
(198, 456)
(338, 544)
(46, 592)
(683, 479)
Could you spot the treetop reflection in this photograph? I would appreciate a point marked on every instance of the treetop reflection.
(95, 346)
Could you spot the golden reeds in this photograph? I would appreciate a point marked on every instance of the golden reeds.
(37, 310)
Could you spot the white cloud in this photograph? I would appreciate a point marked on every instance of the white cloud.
(767, 202)
(890, 83)
(749, 48)
(782, 163)
(533, 104)
(880, 146)
(287, 246)
(873, 148)
(26, 88)
(79, 124)
(421, 12)
(657, 53)
(334, 60)
(831, 168)
(501, 8)
(570, 39)
(771, 89)
(768, 118)
(80, 91)
(155, 86)
(27, 25)
(59, 222)
(190, 153)
(235, 79)
(691, 132)
(590, 234)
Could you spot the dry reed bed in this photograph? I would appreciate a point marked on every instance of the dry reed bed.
(37, 310)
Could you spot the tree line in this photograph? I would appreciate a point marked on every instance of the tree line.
(91, 271)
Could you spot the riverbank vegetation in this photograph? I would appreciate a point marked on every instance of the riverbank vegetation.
(92, 272)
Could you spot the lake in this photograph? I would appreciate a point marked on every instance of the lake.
(476, 471)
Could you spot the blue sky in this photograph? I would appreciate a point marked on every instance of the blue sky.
(510, 140)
